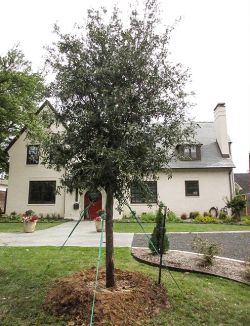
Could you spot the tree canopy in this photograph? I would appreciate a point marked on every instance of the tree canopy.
(20, 92)
(123, 101)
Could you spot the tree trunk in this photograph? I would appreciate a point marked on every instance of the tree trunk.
(110, 277)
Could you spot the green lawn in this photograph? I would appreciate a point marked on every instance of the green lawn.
(23, 282)
(179, 227)
(18, 227)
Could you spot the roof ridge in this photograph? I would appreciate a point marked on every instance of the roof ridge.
(204, 121)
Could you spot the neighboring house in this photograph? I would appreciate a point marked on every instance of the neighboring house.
(242, 182)
(242, 185)
(3, 194)
(201, 180)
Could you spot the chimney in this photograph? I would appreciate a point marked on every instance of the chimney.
(220, 123)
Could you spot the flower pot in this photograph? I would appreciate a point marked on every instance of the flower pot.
(29, 227)
(98, 226)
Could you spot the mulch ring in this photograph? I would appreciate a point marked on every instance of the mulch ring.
(135, 299)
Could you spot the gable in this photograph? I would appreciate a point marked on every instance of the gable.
(45, 106)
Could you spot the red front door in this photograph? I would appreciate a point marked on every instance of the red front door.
(96, 206)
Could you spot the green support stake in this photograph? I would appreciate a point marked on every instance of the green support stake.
(97, 271)
(162, 243)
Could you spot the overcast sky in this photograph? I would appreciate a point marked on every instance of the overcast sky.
(212, 39)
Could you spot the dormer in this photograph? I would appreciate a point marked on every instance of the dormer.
(189, 152)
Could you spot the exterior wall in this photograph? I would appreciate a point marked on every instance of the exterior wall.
(19, 176)
(214, 186)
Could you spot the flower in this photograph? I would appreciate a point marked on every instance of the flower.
(98, 218)
(29, 216)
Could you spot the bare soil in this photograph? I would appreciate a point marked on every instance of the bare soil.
(193, 262)
(135, 299)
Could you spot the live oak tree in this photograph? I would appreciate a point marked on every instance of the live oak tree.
(123, 104)
(20, 92)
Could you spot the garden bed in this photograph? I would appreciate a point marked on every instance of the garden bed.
(193, 262)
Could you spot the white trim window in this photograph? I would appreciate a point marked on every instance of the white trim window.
(192, 188)
(42, 192)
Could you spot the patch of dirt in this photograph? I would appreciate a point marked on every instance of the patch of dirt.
(134, 299)
(187, 261)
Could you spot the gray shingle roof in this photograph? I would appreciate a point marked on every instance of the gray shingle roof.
(243, 181)
(210, 152)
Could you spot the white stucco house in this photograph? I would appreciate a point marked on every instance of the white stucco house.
(201, 180)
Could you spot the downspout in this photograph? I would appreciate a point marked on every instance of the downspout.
(231, 181)
(5, 201)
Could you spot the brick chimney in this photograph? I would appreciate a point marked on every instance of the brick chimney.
(220, 122)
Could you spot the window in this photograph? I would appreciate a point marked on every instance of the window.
(42, 192)
(32, 154)
(189, 152)
(192, 188)
(137, 193)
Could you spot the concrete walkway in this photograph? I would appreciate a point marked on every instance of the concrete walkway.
(85, 235)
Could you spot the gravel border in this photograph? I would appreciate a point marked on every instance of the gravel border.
(191, 262)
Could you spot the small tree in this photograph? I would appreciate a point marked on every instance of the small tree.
(237, 204)
(158, 233)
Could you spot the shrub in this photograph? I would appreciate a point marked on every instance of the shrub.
(193, 215)
(207, 249)
(156, 236)
(125, 219)
(184, 216)
(206, 219)
(207, 214)
(223, 216)
(13, 217)
(228, 220)
(148, 217)
(246, 220)
(172, 217)
(237, 203)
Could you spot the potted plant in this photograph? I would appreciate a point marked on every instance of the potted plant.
(29, 219)
(98, 220)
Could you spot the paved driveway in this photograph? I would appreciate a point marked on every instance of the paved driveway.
(234, 245)
(84, 235)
